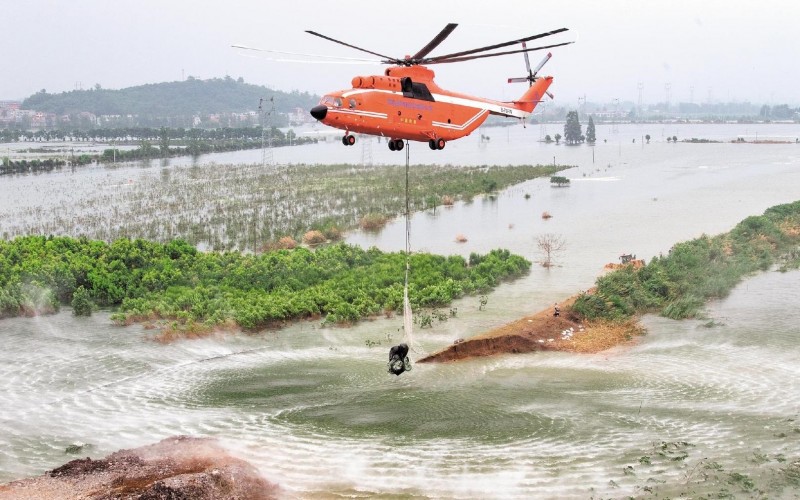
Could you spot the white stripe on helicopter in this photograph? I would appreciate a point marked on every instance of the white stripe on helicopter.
(460, 101)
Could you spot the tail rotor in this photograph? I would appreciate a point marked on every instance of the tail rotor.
(531, 73)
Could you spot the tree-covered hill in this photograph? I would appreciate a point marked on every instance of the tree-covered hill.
(192, 96)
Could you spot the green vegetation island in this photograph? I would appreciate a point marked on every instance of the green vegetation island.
(198, 291)
(676, 285)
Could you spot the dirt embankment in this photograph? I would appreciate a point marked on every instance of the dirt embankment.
(542, 331)
(176, 468)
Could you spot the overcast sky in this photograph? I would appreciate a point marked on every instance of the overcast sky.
(704, 50)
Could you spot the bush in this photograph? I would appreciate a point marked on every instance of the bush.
(314, 237)
(81, 302)
(287, 243)
(683, 307)
(373, 222)
(332, 233)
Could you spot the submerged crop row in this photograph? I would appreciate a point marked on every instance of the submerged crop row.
(148, 280)
(248, 207)
(678, 284)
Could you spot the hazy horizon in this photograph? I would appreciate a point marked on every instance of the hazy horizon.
(676, 51)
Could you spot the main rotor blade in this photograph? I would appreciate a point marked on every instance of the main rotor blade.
(390, 59)
(541, 64)
(481, 56)
(337, 58)
(458, 55)
(424, 51)
(311, 61)
(527, 61)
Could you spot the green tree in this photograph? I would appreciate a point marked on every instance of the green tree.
(647, 137)
(146, 149)
(163, 142)
(81, 302)
(782, 112)
(572, 129)
(558, 138)
(590, 132)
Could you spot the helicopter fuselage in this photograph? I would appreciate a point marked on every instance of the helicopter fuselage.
(406, 104)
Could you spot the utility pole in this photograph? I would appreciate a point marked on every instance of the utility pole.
(641, 110)
(366, 151)
(542, 126)
(266, 149)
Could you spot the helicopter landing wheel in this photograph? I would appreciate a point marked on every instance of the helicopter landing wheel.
(396, 144)
(432, 144)
(392, 146)
(349, 140)
(440, 143)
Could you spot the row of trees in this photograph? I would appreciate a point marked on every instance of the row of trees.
(192, 142)
(678, 284)
(779, 112)
(147, 280)
(8, 166)
(133, 135)
(573, 133)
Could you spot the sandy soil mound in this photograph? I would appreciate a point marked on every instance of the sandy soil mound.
(176, 468)
(542, 332)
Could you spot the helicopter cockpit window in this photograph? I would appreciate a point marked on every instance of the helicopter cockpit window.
(352, 103)
(337, 101)
(326, 100)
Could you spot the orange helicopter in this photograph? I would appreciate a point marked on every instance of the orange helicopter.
(406, 104)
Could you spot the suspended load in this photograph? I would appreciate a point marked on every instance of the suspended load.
(398, 359)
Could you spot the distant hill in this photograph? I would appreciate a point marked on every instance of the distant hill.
(189, 97)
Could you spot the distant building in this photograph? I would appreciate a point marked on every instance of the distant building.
(300, 116)
(4, 105)
(8, 112)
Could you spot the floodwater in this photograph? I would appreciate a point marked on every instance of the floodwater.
(693, 408)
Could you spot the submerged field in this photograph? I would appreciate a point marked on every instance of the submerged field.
(250, 207)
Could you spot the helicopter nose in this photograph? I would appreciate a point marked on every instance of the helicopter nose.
(319, 112)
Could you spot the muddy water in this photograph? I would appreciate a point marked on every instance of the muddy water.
(315, 410)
